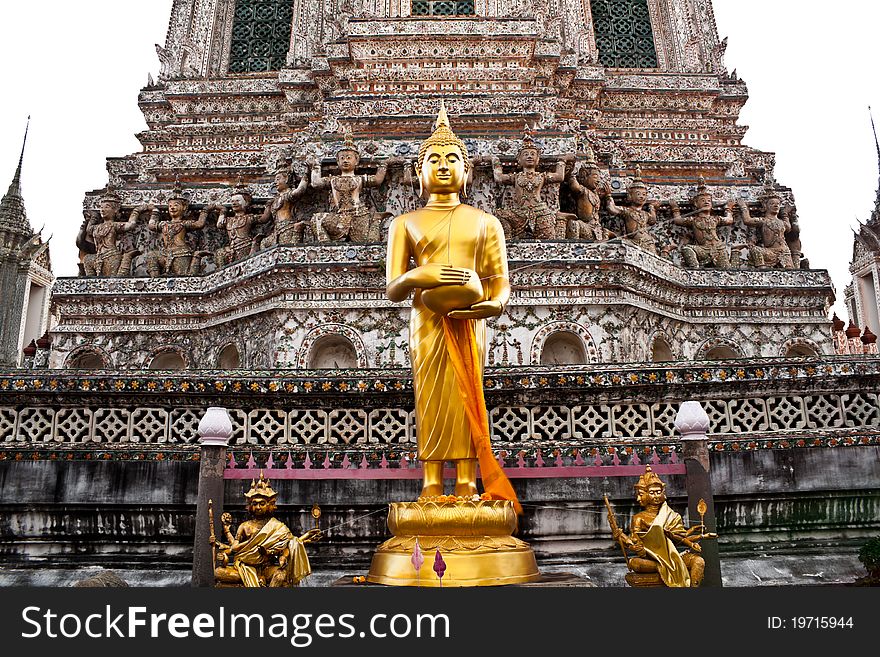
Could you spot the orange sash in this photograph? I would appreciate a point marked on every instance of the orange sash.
(461, 343)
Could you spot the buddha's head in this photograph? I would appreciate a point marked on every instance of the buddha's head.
(443, 163)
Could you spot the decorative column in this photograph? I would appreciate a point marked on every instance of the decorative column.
(853, 339)
(215, 430)
(693, 423)
(869, 342)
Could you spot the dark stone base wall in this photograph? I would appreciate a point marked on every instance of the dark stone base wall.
(141, 515)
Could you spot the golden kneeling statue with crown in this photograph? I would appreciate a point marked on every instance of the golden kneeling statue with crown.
(655, 534)
(263, 552)
(460, 279)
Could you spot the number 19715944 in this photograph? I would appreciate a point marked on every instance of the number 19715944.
(810, 622)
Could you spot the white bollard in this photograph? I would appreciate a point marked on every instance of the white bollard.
(215, 428)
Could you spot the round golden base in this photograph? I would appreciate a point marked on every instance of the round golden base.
(475, 542)
(493, 568)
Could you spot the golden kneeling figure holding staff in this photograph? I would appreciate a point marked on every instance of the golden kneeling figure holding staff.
(655, 534)
(460, 279)
(263, 551)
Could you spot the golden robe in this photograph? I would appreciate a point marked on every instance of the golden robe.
(462, 237)
(273, 538)
(661, 549)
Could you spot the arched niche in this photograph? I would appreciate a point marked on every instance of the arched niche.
(661, 352)
(167, 360)
(87, 359)
(800, 347)
(332, 352)
(564, 348)
(586, 353)
(721, 352)
(800, 351)
(229, 358)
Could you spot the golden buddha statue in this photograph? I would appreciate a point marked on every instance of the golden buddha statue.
(460, 279)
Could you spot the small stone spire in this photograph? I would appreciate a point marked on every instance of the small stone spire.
(853, 331)
(875, 216)
(13, 218)
(17, 177)
(874, 128)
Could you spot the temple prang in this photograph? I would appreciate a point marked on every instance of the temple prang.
(238, 261)
(25, 276)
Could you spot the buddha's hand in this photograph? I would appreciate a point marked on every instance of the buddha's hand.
(434, 275)
(481, 310)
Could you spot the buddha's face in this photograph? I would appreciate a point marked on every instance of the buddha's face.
(176, 208)
(443, 170)
(638, 195)
(109, 210)
(347, 161)
(703, 202)
(281, 181)
(529, 158)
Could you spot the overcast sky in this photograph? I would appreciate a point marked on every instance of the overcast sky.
(811, 68)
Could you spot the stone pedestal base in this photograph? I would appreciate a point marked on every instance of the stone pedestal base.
(474, 538)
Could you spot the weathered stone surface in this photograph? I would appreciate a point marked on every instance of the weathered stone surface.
(137, 517)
